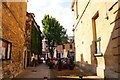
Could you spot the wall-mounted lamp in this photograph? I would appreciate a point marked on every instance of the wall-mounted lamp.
(81, 21)
(106, 16)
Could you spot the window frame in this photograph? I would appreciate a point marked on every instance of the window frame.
(6, 50)
(98, 48)
(71, 46)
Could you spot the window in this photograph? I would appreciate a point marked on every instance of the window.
(96, 38)
(70, 46)
(5, 49)
(98, 45)
(98, 48)
(63, 46)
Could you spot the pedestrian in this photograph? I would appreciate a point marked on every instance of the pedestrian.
(33, 60)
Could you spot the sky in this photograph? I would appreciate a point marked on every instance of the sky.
(59, 9)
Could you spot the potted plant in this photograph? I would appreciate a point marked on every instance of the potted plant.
(59, 65)
(71, 64)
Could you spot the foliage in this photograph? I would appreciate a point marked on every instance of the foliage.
(68, 54)
(54, 32)
(36, 39)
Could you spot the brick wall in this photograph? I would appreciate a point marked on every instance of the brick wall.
(13, 27)
(66, 48)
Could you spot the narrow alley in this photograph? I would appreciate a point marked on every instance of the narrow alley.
(42, 72)
(60, 40)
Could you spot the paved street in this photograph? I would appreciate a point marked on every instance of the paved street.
(39, 71)
(76, 74)
(42, 70)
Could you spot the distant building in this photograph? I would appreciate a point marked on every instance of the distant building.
(63, 49)
(44, 47)
(44, 44)
(12, 29)
(96, 30)
(33, 37)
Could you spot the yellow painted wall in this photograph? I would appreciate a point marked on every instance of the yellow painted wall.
(84, 35)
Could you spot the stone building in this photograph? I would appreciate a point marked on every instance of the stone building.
(33, 37)
(96, 30)
(12, 40)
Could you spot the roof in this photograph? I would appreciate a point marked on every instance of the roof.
(32, 15)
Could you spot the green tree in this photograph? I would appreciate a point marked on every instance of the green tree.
(54, 32)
